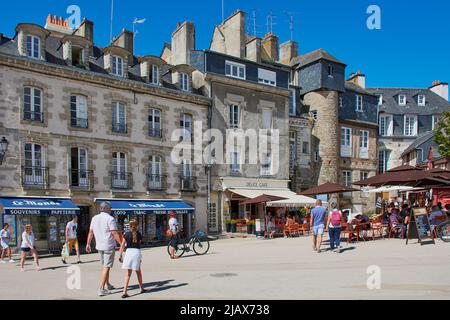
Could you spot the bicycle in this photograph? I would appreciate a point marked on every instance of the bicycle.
(443, 231)
(198, 242)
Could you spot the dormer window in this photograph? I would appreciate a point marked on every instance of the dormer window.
(402, 100)
(77, 56)
(33, 44)
(359, 103)
(380, 100)
(235, 70)
(154, 76)
(117, 66)
(421, 100)
(330, 70)
(183, 80)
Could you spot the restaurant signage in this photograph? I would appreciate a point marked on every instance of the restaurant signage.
(419, 226)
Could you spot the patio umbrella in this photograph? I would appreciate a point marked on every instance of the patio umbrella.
(327, 188)
(410, 177)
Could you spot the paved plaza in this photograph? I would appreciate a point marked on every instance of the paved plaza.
(249, 268)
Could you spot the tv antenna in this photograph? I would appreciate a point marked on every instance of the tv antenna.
(269, 22)
(291, 21)
(253, 27)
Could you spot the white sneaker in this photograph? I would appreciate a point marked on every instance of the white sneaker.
(103, 292)
(11, 261)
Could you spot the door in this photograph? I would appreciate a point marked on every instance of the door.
(119, 170)
(83, 224)
(79, 167)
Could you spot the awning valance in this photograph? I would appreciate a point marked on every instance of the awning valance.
(38, 206)
(141, 207)
(253, 193)
(296, 201)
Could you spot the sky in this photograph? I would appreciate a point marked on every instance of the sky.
(411, 49)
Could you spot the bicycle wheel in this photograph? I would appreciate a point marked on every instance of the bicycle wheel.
(179, 250)
(200, 247)
(444, 232)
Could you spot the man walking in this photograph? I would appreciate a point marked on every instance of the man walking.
(104, 229)
(318, 224)
(71, 238)
(4, 243)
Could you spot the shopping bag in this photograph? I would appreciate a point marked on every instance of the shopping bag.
(65, 251)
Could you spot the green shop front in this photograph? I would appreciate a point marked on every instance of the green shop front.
(47, 216)
(151, 215)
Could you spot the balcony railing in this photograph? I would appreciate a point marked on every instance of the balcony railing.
(121, 180)
(157, 182)
(35, 177)
(119, 127)
(79, 123)
(188, 183)
(156, 133)
(81, 179)
(33, 116)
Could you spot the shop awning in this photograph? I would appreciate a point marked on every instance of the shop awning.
(253, 193)
(141, 207)
(295, 201)
(38, 206)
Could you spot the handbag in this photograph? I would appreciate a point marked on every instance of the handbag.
(169, 233)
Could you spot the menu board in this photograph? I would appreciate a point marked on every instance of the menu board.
(11, 220)
(419, 226)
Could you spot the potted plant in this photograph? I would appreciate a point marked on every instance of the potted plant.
(228, 225)
(233, 225)
(251, 227)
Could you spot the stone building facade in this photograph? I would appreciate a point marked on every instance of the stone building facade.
(99, 127)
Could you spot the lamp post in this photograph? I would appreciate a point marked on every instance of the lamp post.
(3, 148)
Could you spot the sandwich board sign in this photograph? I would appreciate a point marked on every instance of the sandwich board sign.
(419, 226)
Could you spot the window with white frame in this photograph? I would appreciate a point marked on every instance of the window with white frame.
(383, 156)
(292, 103)
(421, 100)
(266, 119)
(78, 111)
(186, 168)
(155, 171)
(33, 46)
(154, 123)
(154, 76)
(364, 144)
(119, 118)
(402, 100)
(364, 175)
(235, 115)
(34, 171)
(266, 164)
(186, 126)
(410, 125)
(235, 70)
(235, 158)
(119, 170)
(32, 104)
(346, 142)
(117, 66)
(419, 155)
(359, 103)
(330, 70)
(347, 178)
(267, 77)
(434, 121)
(183, 80)
(386, 125)
(79, 167)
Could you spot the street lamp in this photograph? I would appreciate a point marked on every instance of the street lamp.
(3, 148)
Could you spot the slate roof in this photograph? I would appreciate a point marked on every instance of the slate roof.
(54, 55)
(349, 86)
(418, 142)
(314, 56)
(435, 104)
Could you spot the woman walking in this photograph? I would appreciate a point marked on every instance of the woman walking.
(132, 262)
(28, 247)
(335, 220)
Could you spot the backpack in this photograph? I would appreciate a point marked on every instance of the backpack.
(335, 218)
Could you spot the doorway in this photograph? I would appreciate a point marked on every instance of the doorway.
(83, 225)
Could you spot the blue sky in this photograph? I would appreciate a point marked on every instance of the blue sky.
(411, 50)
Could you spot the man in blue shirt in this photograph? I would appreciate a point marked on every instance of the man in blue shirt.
(318, 224)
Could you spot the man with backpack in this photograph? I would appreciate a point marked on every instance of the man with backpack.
(335, 228)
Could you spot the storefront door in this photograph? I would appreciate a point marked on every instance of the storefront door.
(84, 221)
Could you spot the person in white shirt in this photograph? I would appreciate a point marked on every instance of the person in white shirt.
(27, 246)
(104, 229)
(174, 229)
(4, 243)
(71, 237)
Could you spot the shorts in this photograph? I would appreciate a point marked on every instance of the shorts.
(107, 258)
(4, 245)
(318, 230)
(26, 250)
(174, 241)
(72, 243)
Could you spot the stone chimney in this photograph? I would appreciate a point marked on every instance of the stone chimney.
(253, 50)
(57, 25)
(125, 40)
(358, 79)
(440, 88)
(86, 30)
(288, 51)
(230, 38)
(270, 47)
(183, 42)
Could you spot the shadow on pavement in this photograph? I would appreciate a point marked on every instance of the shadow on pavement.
(157, 286)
